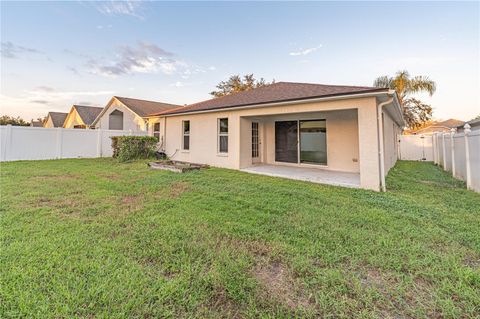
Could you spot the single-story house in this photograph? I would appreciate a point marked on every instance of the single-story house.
(55, 119)
(36, 123)
(123, 113)
(344, 131)
(81, 116)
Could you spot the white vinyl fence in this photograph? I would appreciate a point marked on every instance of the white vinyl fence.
(457, 153)
(38, 143)
(415, 148)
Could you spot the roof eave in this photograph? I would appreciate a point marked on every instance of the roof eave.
(371, 93)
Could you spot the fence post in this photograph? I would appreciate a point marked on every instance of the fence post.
(59, 142)
(444, 153)
(452, 148)
(99, 143)
(466, 131)
(8, 142)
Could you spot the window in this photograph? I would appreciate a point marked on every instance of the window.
(186, 135)
(223, 135)
(156, 130)
(115, 120)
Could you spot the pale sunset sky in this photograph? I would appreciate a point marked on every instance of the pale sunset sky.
(55, 54)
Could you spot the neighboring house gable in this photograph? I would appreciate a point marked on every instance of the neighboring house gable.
(81, 116)
(436, 126)
(129, 114)
(36, 124)
(55, 119)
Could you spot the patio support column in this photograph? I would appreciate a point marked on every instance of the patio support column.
(245, 142)
(368, 146)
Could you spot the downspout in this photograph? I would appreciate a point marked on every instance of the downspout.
(381, 150)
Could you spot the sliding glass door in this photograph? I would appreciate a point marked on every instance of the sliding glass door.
(313, 142)
(286, 141)
(301, 142)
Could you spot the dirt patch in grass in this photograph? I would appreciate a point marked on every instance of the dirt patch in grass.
(65, 177)
(178, 188)
(277, 282)
(472, 261)
(110, 176)
(397, 303)
(224, 306)
(133, 202)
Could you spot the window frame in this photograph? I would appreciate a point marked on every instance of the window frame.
(156, 132)
(221, 134)
(185, 135)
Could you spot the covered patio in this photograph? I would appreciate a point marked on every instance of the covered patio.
(314, 175)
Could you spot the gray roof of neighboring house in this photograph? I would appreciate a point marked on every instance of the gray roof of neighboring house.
(36, 124)
(144, 108)
(277, 92)
(472, 123)
(88, 113)
(58, 118)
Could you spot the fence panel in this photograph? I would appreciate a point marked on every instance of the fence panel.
(460, 164)
(474, 152)
(38, 143)
(416, 147)
(448, 153)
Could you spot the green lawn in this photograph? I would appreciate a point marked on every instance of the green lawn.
(96, 239)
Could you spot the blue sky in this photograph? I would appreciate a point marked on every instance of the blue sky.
(55, 54)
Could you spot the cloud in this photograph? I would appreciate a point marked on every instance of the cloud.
(44, 88)
(146, 58)
(73, 70)
(39, 101)
(305, 51)
(11, 50)
(115, 8)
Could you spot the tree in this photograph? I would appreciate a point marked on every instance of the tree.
(415, 111)
(16, 121)
(237, 84)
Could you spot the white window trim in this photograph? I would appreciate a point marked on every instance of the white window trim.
(183, 135)
(222, 134)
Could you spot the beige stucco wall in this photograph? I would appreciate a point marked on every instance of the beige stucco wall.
(48, 123)
(131, 121)
(351, 135)
(391, 130)
(73, 119)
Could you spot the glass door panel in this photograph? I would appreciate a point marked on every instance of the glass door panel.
(313, 142)
(286, 141)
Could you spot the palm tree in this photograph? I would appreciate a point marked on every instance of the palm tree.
(415, 111)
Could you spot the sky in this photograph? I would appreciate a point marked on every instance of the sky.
(56, 54)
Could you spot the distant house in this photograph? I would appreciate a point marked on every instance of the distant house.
(81, 116)
(474, 125)
(36, 123)
(436, 127)
(55, 119)
(123, 113)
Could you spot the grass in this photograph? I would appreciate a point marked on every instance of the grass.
(93, 238)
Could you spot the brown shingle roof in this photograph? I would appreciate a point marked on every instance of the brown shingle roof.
(88, 113)
(277, 92)
(57, 118)
(144, 108)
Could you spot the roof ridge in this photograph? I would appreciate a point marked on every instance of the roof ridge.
(131, 98)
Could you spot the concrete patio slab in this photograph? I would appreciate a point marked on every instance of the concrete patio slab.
(314, 175)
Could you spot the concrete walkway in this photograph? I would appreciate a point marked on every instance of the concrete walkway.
(314, 175)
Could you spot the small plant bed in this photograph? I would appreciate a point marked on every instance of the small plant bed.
(176, 166)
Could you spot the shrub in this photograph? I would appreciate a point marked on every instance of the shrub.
(127, 148)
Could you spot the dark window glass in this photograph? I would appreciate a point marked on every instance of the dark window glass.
(223, 145)
(223, 125)
(286, 141)
(156, 130)
(186, 135)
